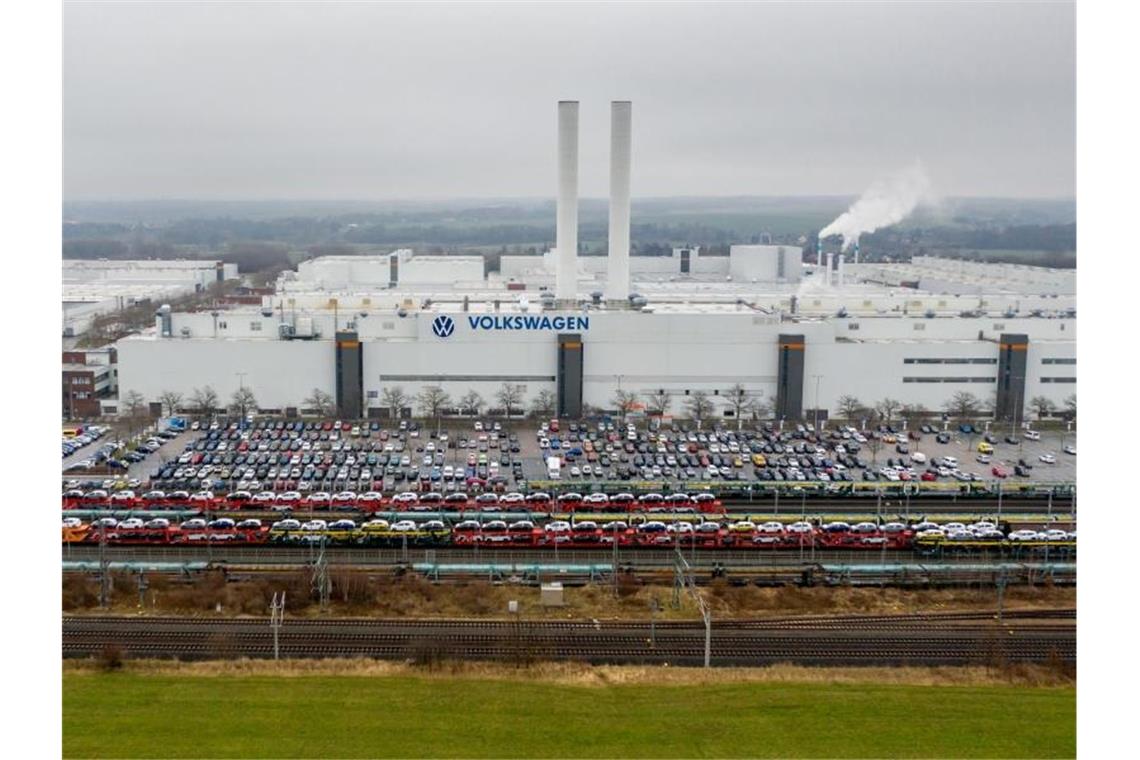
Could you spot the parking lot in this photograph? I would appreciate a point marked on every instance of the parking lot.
(273, 457)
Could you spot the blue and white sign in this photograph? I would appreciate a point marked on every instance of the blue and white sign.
(528, 322)
(443, 326)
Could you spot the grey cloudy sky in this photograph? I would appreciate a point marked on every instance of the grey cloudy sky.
(381, 101)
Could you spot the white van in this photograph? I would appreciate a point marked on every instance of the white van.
(950, 462)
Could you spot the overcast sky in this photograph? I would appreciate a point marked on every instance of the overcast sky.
(359, 101)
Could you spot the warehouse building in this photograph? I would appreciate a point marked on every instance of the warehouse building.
(94, 287)
(584, 328)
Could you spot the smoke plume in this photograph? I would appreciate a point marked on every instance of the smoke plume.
(888, 201)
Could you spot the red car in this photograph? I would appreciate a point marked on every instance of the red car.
(1000, 473)
(928, 476)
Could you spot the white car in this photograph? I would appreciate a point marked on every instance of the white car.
(1023, 535)
(984, 458)
(799, 527)
(289, 524)
(1048, 458)
(158, 523)
(1032, 435)
(315, 525)
(72, 522)
(404, 526)
(1070, 449)
(131, 523)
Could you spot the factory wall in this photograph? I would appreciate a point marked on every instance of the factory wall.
(281, 373)
(643, 353)
(765, 263)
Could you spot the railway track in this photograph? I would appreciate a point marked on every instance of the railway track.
(953, 638)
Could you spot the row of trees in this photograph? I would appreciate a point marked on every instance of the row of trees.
(962, 405)
(433, 401)
(698, 405)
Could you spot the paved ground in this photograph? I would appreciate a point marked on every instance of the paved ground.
(961, 446)
(140, 470)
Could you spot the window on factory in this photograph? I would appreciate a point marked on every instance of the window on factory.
(373, 394)
(950, 360)
(949, 379)
(387, 325)
(1058, 361)
(221, 325)
(1058, 379)
(852, 325)
(255, 326)
(919, 326)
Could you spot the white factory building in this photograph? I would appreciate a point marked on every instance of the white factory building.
(583, 328)
(94, 287)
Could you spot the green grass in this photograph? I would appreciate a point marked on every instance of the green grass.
(138, 715)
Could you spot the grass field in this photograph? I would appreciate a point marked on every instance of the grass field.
(160, 714)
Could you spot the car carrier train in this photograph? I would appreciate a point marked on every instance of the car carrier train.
(581, 531)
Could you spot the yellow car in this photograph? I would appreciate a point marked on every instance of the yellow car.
(758, 460)
(985, 448)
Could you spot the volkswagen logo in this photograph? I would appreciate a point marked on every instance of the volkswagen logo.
(443, 326)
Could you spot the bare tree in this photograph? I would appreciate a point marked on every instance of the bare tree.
(849, 406)
(472, 402)
(510, 397)
(741, 402)
(132, 412)
(433, 400)
(1071, 406)
(658, 403)
(887, 409)
(763, 408)
(395, 399)
(699, 406)
(133, 405)
(912, 412)
(242, 402)
(1042, 405)
(322, 403)
(963, 405)
(204, 400)
(170, 401)
(624, 402)
(543, 404)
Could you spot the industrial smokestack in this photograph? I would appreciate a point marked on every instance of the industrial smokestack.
(827, 270)
(819, 251)
(856, 251)
(566, 282)
(621, 118)
(839, 271)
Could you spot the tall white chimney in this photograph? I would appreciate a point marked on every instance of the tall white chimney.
(621, 117)
(827, 269)
(839, 271)
(566, 282)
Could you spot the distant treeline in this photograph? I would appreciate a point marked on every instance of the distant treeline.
(263, 244)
